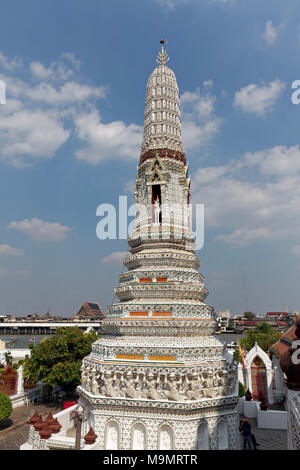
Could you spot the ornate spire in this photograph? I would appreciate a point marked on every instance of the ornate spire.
(162, 124)
(162, 57)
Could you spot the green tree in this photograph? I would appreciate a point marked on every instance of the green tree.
(236, 355)
(249, 315)
(242, 389)
(5, 406)
(262, 334)
(8, 358)
(57, 359)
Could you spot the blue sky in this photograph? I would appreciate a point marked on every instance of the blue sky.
(70, 135)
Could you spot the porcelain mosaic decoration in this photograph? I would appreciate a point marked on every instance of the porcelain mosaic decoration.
(158, 378)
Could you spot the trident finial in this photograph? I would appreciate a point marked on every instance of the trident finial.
(162, 57)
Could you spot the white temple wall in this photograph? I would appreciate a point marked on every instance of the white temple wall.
(132, 431)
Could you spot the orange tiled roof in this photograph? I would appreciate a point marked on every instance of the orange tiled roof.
(284, 343)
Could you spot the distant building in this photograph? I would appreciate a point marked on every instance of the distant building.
(276, 315)
(90, 310)
(224, 314)
(223, 320)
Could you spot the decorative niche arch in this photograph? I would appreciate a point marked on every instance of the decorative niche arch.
(112, 435)
(138, 436)
(165, 437)
(202, 436)
(223, 435)
(261, 379)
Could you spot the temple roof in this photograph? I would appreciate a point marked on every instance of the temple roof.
(90, 310)
(282, 346)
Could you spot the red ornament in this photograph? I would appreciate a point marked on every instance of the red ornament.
(55, 426)
(49, 420)
(34, 418)
(45, 432)
(38, 424)
(90, 437)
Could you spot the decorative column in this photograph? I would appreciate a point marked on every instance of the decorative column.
(248, 376)
(20, 382)
(269, 385)
(240, 374)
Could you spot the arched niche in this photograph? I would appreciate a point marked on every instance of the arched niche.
(138, 437)
(222, 432)
(202, 437)
(112, 435)
(165, 437)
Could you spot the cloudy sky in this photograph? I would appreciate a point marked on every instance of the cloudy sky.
(70, 135)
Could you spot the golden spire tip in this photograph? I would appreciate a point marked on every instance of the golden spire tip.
(162, 57)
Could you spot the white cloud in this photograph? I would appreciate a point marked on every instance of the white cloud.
(172, 4)
(39, 70)
(39, 117)
(265, 207)
(68, 93)
(41, 230)
(32, 133)
(208, 83)
(258, 99)
(271, 32)
(199, 122)
(129, 187)
(62, 69)
(279, 160)
(6, 250)
(200, 104)
(245, 236)
(114, 140)
(12, 64)
(115, 257)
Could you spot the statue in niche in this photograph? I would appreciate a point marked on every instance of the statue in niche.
(156, 210)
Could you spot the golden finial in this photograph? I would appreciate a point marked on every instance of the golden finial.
(162, 57)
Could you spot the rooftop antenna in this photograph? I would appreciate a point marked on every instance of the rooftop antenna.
(245, 293)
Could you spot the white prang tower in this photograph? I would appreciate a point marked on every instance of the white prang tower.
(158, 378)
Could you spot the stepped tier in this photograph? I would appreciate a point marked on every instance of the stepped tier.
(162, 258)
(175, 369)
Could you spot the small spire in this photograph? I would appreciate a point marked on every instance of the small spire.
(162, 57)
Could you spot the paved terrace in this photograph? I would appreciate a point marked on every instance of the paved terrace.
(16, 433)
(269, 439)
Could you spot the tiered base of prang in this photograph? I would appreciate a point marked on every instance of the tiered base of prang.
(155, 387)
